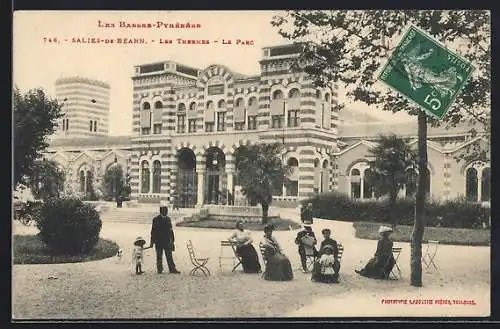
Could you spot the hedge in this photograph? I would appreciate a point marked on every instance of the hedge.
(456, 213)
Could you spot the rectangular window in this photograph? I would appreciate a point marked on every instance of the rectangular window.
(215, 89)
(252, 122)
(181, 124)
(293, 118)
(277, 121)
(221, 117)
(146, 131)
(157, 128)
(64, 125)
(192, 125)
(209, 126)
(95, 125)
(67, 124)
(90, 128)
(239, 125)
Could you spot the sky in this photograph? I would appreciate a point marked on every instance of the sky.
(37, 63)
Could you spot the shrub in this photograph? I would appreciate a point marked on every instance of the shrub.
(27, 212)
(456, 213)
(69, 226)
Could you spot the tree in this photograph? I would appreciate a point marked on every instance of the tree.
(389, 172)
(353, 46)
(35, 118)
(113, 182)
(46, 179)
(259, 171)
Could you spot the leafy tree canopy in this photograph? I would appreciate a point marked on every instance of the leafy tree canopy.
(35, 118)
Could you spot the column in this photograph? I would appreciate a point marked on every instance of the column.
(200, 170)
(151, 177)
(479, 184)
(230, 168)
(362, 185)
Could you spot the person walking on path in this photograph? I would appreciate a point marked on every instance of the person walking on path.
(162, 237)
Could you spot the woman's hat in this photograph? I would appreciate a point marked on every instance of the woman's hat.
(139, 241)
(328, 246)
(383, 229)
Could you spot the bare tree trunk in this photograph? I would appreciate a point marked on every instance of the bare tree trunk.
(265, 210)
(418, 227)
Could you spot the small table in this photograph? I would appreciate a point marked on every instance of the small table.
(236, 260)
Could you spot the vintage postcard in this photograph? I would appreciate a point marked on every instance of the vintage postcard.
(251, 164)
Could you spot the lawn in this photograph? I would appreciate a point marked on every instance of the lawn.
(402, 233)
(29, 249)
(279, 224)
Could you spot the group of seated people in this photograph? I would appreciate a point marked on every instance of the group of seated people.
(326, 265)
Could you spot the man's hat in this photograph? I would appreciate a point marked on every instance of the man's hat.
(326, 230)
(139, 241)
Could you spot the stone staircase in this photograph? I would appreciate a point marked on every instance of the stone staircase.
(140, 215)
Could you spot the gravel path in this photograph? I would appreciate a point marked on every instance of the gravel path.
(110, 289)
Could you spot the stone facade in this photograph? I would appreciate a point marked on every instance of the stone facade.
(188, 122)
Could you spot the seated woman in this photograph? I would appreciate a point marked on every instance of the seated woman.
(245, 249)
(278, 267)
(380, 266)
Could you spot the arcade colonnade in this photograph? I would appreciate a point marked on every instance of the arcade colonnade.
(205, 174)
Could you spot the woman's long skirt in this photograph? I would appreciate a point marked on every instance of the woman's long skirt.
(249, 259)
(278, 268)
(378, 267)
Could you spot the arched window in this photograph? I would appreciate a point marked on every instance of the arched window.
(355, 183)
(210, 105)
(485, 185)
(181, 107)
(471, 184)
(146, 106)
(82, 181)
(239, 102)
(89, 182)
(368, 191)
(252, 101)
(294, 93)
(156, 176)
(158, 105)
(192, 106)
(145, 177)
(318, 94)
(277, 94)
(292, 185)
(327, 97)
(221, 104)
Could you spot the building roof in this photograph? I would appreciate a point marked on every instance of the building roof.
(98, 141)
(400, 129)
(80, 79)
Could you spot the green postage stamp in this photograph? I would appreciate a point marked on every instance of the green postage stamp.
(426, 72)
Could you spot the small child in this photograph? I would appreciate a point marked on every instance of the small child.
(138, 254)
(327, 261)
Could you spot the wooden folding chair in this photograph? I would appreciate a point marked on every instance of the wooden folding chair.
(235, 258)
(198, 263)
(395, 271)
(340, 248)
(262, 249)
(430, 254)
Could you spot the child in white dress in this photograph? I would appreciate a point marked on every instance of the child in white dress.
(327, 260)
(138, 254)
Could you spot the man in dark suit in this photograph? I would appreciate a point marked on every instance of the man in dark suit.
(162, 237)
